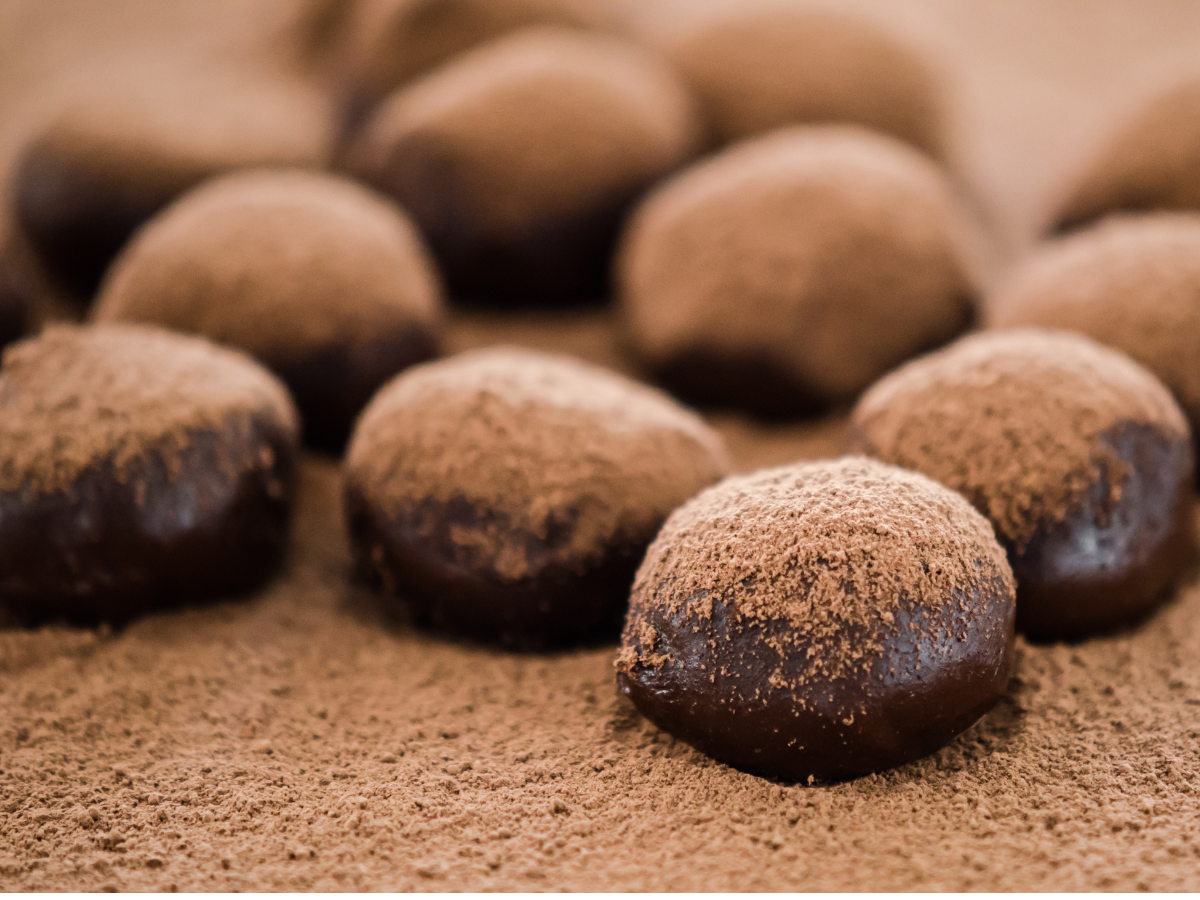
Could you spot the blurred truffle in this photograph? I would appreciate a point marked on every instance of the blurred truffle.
(519, 158)
(1077, 455)
(140, 137)
(1151, 161)
(509, 495)
(793, 269)
(15, 296)
(325, 283)
(392, 41)
(1131, 282)
(758, 68)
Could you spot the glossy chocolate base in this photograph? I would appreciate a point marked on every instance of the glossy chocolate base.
(78, 216)
(416, 561)
(1112, 561)
(107, 550)
(746, 382)
(720, 690)
(333, 383)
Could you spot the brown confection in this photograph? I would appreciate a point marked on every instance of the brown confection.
(820, 620)
(328, 285)
(14, 298)
(757, 68)
(138, 469)
(1152, 161)
(509, 494)
(392, 41)
(112, 160)
(1131, 282)
(519, 158)
(1079, 457)
(792, 270)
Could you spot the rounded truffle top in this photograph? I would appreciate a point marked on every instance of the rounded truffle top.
(787, 243)
(537, 125)
(1014, 420)
(841, 551)
(276, 263)
(1151, 161)
(758, 68)
(1131, 282)
(77, 396)
(534, 439)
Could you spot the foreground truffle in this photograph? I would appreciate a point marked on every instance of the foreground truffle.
(392, 41)
(1078, 456)
(112, 160)
(820, 620)
(509, 495)
(793, 269)
(1151, 161)
(138, 469)
(519, 158)
(328, 285)
(1131, 282)
(758, 68)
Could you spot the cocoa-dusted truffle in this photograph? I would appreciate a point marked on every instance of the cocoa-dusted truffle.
(138, 469)
(820, 620)
(392, 41)
(757, 68)
(138, 140)
(519, 158)
(1151, 161)
(793, 269)
(327, 284)
(1078, 456)
(1131, 282)
(509, 495)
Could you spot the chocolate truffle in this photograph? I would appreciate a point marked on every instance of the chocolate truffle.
(392, 41)
(758, 68)
(1131, 282)
(519, 158)
(820, 620)
(111, 161)
(509, 495)
(14, 298)
(328, 285)
(1078, 456)
(793, 269)
(1151, 161)
(138, 469)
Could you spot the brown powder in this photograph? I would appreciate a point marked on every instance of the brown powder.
(74, 397)
(279, 264)
(1013, 420)
(1151, 161)
(757, 67)
(540, 125)
(828, 251)
(832, 548)
(528, 437)
(1131, 282)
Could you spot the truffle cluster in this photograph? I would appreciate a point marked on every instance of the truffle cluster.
(302, 238)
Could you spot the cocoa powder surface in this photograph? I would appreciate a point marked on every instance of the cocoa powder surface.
(300, 740)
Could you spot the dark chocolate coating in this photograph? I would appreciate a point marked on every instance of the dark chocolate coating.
(556, 262)
(110, 548)
(559, 605)
(719, 688)
(14, 310)
(333, 383)
(1110, 561)
(78, 218)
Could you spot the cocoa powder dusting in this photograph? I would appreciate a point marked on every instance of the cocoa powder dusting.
(77, 396)
(528, 436)
(1014, 420)
(834, 549)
